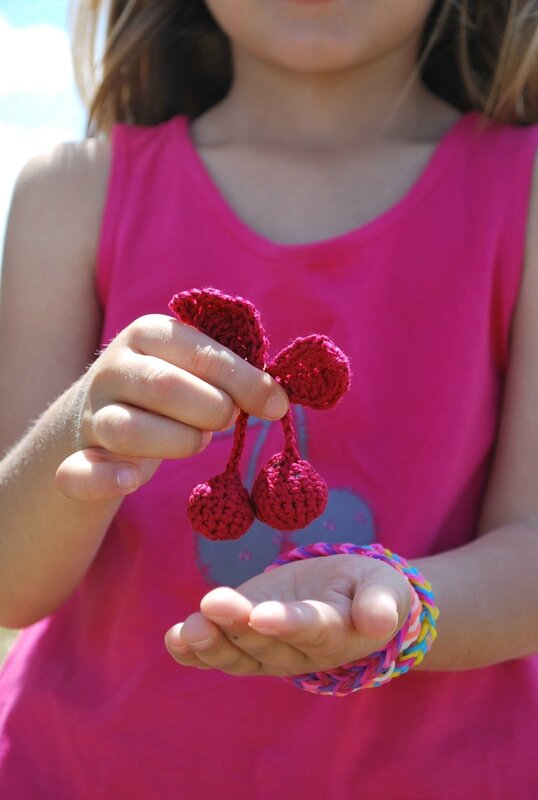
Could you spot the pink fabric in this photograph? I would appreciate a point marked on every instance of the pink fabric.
(421, 299)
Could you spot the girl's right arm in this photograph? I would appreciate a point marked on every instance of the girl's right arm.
(150, 395)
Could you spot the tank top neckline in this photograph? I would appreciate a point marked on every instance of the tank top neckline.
(436, 165)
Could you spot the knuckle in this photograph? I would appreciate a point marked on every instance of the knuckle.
(188, 442)
(266, 651)
(320, 641)
(221, 414)
(102, 377)
(256, 392)
(207, 360)
(317, 639)
(241, 665)
(160, 382)
(113, 429)
(138, 330)
(102, 429)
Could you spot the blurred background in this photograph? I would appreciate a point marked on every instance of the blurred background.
(39, 105)
(38, 101)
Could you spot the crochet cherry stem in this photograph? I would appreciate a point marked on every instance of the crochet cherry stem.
(220, 508)
(240, 433)
(290, 447)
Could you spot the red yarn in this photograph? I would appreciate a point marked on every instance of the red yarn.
(231, 321)
(221, 508)
(288, 493)
(313, 371)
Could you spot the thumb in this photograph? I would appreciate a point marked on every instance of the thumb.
(94, 475)
(380, 609)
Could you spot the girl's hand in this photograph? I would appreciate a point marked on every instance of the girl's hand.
(158, 391)
(306, 616)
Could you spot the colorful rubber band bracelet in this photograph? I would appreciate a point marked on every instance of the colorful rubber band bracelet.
(405, 651)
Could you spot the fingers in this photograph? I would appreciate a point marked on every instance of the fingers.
(152, 384)
(222, 638)
(286, 637)
(160, 386)
(93, 475)
(380, 609)
(180, 651)
(306, 623)
(184, 347)
(325, 613)
(128, 431)
(199, 643)
(225, 606)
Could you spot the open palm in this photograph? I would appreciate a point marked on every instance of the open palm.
(306, 616)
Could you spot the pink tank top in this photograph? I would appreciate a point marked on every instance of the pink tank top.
(421, 299)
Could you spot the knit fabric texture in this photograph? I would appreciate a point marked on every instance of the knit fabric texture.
(288, 493)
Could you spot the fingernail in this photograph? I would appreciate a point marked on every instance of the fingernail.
(180, 648)
(174, 641)
(127, 479)
(206, 438)
(204, 644)
(276, 406)
(262, 629)
(233, 420)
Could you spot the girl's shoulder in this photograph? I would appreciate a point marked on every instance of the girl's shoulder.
(71, 174)
(59, 198)
(48, 276)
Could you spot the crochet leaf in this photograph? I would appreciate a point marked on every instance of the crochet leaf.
(232, 321)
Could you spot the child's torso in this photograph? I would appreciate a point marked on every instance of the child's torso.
(421, 298)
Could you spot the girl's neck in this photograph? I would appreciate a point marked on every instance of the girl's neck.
(332, 110)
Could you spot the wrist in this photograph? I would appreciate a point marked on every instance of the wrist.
(405, 650)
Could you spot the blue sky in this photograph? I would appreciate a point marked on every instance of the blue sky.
(26, 12)
(38, 101)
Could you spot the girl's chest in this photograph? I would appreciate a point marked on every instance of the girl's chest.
(308, 197)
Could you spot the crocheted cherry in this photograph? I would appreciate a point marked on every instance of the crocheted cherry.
(288, 493)
(220, 508)
(231, 321)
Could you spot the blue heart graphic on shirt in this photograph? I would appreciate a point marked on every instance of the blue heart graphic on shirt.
(347, 518)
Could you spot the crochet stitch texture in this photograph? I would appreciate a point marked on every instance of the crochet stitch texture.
(288, 493)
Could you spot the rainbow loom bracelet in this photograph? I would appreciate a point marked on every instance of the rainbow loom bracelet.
(404, 651)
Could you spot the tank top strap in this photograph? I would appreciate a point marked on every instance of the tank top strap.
(145, 162)
(501, 166)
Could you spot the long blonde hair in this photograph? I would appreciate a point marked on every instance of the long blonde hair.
(166, 57)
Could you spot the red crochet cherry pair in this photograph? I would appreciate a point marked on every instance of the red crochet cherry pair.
(288, 492)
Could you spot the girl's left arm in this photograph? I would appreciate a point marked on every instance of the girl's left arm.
(487, 591)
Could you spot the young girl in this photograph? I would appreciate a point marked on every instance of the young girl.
(363, 170)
